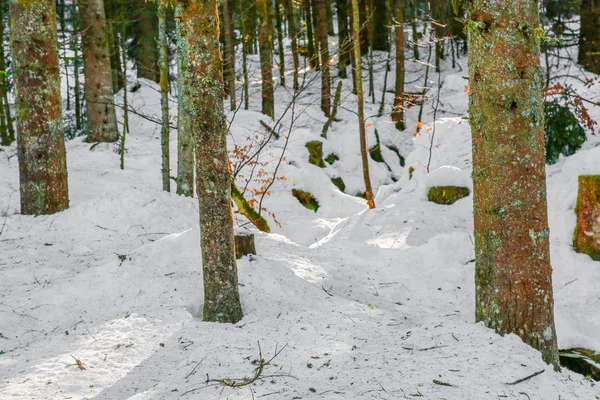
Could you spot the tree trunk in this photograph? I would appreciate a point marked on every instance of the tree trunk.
(513, 275)
(343, 38)
(291, 17)
(76, 62)
(324, 52)
(380, 26)
(280, 47)
(361, 112)
(398, 110)
(145, 29)
(163, 64)
(8, 133)
(266, 68)
(229, 53)
(113, 45)
(589, 37)
(244, 245)
(185, 143)
(207, 120)
(248, 21)
(313, 61)
(364, 31)
(101, 117)
(40, 142)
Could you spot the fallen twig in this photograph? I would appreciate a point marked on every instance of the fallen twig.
(527, 377)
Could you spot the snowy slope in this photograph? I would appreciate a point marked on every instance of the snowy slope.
(369, 304)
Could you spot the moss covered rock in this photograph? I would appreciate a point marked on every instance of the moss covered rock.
(331, 158)
(447, 194)
(306, 199)
(315, 153)
(582, 361)
(339, 182)
(397, 151)
(586, 238)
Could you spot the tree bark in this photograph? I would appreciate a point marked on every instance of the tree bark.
(4, 87)
(40, 142)
(229, 53)
(361, 113)
(101, 117)
(113, 45)
(163, 64)
(589, 37)
(313, 61)
(343, 38)
(207, 120)
(398, 110)
(280, 47)
(291, 17)
(266, 68)
(145, 29)
(324, 53)
(185, 142)
(513, 275)
(381, 28)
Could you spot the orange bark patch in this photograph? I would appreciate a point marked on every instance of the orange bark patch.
(586, 238)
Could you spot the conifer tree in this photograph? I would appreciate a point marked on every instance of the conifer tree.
(513, 275)
(40, 138)
(589, 37)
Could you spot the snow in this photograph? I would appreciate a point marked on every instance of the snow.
(361, 304)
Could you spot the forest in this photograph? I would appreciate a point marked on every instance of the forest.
(299, 199)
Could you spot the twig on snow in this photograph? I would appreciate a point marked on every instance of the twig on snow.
(527, 377)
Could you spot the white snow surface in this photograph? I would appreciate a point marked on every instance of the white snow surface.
(361, 304)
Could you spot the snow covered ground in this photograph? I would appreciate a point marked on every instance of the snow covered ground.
(356, 303)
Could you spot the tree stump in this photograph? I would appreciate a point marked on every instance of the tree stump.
(244, 245)
(586, 238)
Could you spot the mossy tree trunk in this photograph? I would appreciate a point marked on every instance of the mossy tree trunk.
(207, 121)
(248, 24)
(98, 89)
(321, 27)
(343, 38)
(361, 113)
(513, 275)
(40, 139)
(266, 68)
(398, 110)
(163, 64)
(185, 142)
(145, 30)
(589, 37)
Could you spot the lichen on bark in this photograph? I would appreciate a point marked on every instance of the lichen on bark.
(204, 106)
(513, 271)
(40, 139)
